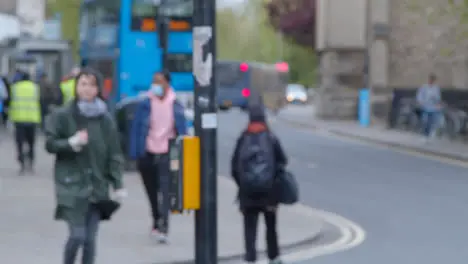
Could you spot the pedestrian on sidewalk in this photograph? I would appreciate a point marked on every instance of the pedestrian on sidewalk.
(429, 100)
(4, 98)
(66, 92)
(82, 135)
(49, 95)
(25, 113)
(254, 165)
(158, 119)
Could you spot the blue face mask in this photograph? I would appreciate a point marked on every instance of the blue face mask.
(157, 90)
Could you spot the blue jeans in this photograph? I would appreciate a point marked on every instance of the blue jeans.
(430, 121)
(83, 237)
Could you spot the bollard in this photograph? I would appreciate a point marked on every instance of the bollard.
(364, 107)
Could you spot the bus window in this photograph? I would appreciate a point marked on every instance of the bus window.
(99, 24)
(105, 35)
(178, 8)
(144, 13)
(179, 62)
(284, 78)
(230, 75)
(84, 25)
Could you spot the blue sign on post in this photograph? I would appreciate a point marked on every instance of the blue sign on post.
(364, 107)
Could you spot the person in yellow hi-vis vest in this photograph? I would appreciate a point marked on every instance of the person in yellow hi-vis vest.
(25, 114)
(67, 87)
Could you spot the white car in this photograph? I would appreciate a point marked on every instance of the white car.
(296, 93)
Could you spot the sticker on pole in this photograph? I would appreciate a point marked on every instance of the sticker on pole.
(209, 121)
(202, 69)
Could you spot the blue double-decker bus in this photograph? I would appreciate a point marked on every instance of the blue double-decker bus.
(121, 39)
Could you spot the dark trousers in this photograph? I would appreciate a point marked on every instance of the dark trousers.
(154, 170)
(25, 133)
(250, 232)
(4, 118)
(83, 236)
(44, 110)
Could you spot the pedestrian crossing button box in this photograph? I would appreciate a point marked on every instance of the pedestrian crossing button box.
(184, 155)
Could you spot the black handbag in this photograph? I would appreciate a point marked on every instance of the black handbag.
(288, 189)
(107, 208)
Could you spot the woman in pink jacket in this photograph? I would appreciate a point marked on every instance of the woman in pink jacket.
(154, 164)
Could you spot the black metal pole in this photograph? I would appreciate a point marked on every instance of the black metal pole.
(204, 58)
(367, 59)
(163, 32)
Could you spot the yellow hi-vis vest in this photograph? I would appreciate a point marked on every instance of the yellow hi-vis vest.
(68, 90)
(25, 104)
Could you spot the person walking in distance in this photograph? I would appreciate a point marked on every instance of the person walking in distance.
(429, 100)
(25, 113)
(159, 117)
(49, 95)
(67, 86)
(256, 159)
(82, 135)
(4, 97)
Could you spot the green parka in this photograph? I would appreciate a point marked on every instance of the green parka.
(83, 177)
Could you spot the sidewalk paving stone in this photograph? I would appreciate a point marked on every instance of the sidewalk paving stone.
(28, 233)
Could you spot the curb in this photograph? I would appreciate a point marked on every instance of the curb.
(285, 249)
(315, 237)
(402, 146)
(312, 238)
(396, 145)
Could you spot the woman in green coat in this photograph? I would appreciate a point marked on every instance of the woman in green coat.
(83, 137)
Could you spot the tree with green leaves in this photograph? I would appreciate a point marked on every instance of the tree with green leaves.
(245, 34)
(69, 11)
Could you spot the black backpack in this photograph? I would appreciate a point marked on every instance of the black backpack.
(257, 164)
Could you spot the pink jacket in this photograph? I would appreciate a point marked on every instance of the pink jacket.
(162, 123)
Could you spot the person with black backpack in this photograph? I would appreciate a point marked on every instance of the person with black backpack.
(256, 159)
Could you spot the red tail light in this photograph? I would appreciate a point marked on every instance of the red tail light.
(282, 67)
(243, 67)
(245, 92)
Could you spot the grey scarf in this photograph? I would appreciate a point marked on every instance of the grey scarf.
(92, 109)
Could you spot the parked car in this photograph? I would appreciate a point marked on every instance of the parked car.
(296, 94)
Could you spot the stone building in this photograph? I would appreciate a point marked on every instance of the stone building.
(7, 6)
(406, 40)
(9, 25)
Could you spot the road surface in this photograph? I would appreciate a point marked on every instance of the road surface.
(413, 208)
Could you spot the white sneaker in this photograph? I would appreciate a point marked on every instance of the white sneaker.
(162, 238)
(158, 236)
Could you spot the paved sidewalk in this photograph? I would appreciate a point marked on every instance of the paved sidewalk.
(28, 233)
(378, 134)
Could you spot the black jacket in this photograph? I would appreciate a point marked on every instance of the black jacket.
(280, 161)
